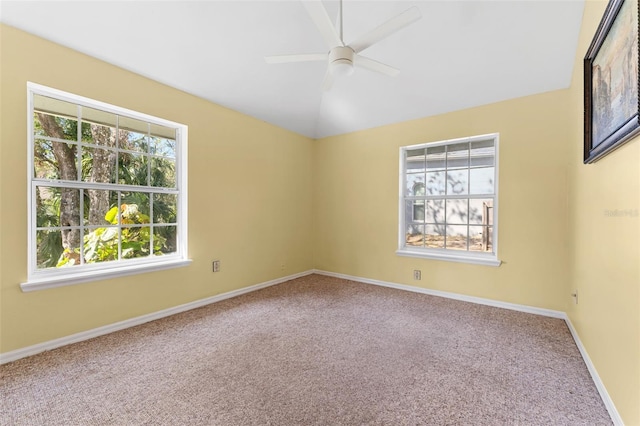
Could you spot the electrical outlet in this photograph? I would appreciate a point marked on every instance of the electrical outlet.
(417, 274)
(216, 266)
(575, 296)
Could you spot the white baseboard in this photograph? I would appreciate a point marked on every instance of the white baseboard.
(606, 399)
(456, 296)
(90, 334)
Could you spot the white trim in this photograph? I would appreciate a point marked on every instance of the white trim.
(496, 200)
(92, 103)
(110, 328)
(467, 139)
(602, 390)
(606, 399)
(448, 295)
(56, 277)
(60, 280)
(462, 256)
(182, 164)
(89, 334)
(451, 256)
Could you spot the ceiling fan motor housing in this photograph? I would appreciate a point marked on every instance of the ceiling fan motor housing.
(341, 60)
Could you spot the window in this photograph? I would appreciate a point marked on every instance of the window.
(107, 190)
(449, 199)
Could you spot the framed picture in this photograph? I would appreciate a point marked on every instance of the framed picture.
(611, 81)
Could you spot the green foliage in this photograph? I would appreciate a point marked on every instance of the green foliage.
(49, 243)
(101, 244)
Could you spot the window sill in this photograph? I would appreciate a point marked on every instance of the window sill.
(451, 257)
(52, 281)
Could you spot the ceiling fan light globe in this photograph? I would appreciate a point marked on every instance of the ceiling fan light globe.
(342, 67)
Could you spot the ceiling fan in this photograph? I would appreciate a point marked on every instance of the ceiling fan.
(341, 58)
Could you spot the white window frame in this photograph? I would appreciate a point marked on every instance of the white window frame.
(56, 277)
(480, 258)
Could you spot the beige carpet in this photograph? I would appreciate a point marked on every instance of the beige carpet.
(314, 351)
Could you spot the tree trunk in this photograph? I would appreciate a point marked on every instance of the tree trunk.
(65, 155)
(102, 168)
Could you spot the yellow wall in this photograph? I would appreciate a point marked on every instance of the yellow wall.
(554, 234)
(356, 203)
(249, 204)
(605, 250)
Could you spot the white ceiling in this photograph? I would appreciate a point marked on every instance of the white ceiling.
(460, 54)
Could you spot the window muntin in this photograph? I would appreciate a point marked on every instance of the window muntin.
(449, 198)
(107, 186)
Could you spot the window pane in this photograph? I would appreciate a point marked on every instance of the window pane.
(163, 172)
(435, 183)
(414, 181)
(133, 141)
(163, 141)
(49, 248)
(436, 157)
(482, 180)
(435, 211)
(165, 208)
(97, 134)
(47, 206)
(164, 147)
(133, 134)
(490, 213)
(132, 169)
(457, 212)
(164, 240)
(414, 235)
(55, 126)
(54, 106)
(458, 156)
(457, 182)
(134, 207)
(70, 208)
(456, 237)
(482, 153)
(45, 165)
(55, 160)
(480, 238)
(98, 165)
(162, 132)
(136, 242)
(100, 244)
(93, 149)
(410, 213)
(435, 236)
(480, 211)
(100, 207)
(98, 127)
(418, 211)
(415, 160)
(97, 116)
(58, 248)
(64, 202)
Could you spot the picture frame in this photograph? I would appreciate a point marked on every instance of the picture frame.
(612, 82)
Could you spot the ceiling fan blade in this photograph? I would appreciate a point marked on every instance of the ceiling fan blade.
(327, 83)
(370, 64)
(302, 57)
(319, 15)
(407, 17)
